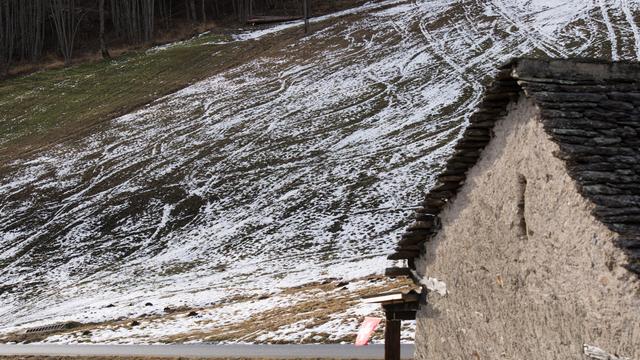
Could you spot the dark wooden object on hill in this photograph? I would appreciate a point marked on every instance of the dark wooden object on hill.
(258, 20)
(52, 328)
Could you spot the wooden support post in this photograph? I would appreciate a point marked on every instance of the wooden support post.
(392, 338)
(397, 306)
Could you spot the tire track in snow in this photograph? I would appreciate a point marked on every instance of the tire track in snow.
(610, 30)
(537, 39)
(624, 4)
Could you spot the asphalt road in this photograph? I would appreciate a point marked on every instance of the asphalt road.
(210, 351)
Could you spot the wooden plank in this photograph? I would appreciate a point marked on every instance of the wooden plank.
(393, 297)
(383, 298)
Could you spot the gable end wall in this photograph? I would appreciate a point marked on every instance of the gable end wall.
(531, 274)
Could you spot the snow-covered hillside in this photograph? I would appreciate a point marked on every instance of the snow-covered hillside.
(291, 168)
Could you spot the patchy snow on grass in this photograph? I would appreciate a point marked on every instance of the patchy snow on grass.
(245, 319)
(292, 168)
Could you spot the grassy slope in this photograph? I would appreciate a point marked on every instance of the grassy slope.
(52, 105)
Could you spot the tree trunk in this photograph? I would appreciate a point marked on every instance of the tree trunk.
(305, 7)
(148, 15)
(103, 45)
(7, 36)
(192, 6)
(38, 42)
(216, 8)
(204, 13)
(28, 20)
(66, 25)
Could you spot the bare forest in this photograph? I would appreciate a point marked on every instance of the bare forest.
(31, 29)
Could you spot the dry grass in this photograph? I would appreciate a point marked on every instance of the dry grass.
(172, 314)
(71, 101)
(52, 61)
(316, 310)
(320, 300)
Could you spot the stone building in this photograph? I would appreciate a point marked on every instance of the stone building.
(529, 245)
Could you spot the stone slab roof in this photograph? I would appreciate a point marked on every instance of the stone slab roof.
(591, 109)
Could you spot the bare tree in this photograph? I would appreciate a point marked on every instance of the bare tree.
(191, 10)
(63, 13)
(165, 13)
(148, 16)
(134, 19)
(192, 7)
(29, 19)
(204, 13)
(7, 35)
(216, 8)
(103, 44)
(305, 11)
(241, 9)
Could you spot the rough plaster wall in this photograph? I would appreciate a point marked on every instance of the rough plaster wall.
(539, 295)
